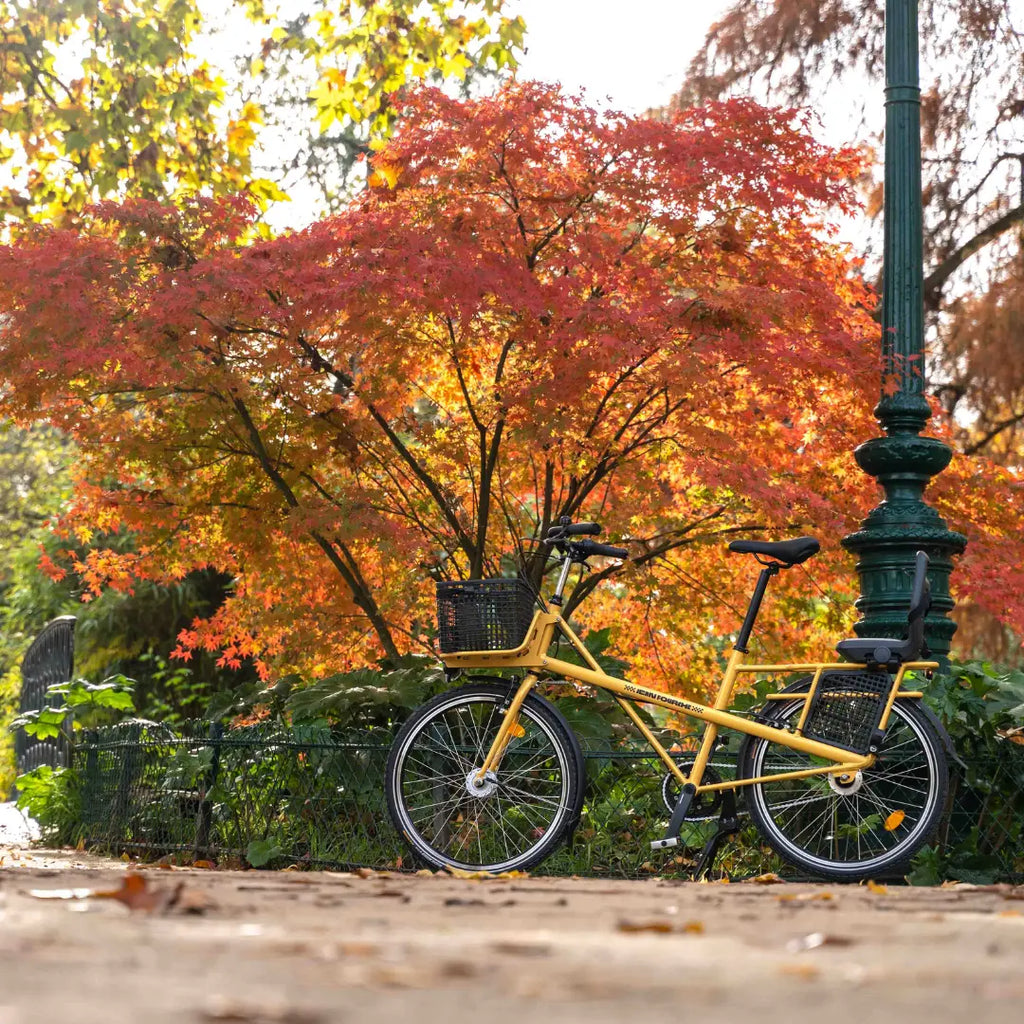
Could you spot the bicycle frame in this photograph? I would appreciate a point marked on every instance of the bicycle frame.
(532, 656)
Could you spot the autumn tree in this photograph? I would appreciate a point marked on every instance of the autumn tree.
(535, 310)
(829, 53)
(113, 100)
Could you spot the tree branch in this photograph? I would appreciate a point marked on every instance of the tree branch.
(935, 281)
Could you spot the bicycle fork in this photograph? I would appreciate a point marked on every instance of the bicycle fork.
(508, 730)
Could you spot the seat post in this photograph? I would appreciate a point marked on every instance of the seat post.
(755, 606)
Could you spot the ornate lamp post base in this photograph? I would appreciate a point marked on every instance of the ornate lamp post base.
(895, 531)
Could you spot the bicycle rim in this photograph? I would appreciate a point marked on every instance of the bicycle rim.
(523, 809)
(859, 829)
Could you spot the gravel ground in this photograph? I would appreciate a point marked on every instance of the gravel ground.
(315, 947)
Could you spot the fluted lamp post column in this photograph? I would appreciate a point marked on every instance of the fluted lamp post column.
(902, 460)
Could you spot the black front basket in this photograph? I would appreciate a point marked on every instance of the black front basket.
(483, 615)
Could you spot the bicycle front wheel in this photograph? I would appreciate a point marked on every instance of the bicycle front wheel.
(867, 826)
(512, 818)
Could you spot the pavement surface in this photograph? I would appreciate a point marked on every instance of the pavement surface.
(90, 940)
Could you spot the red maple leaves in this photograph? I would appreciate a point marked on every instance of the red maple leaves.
(538, 309)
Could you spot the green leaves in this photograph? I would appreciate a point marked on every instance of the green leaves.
(977, 700)
(82, 701)
(51, 797)
(367, 693)
(261, 851)
(140, 114)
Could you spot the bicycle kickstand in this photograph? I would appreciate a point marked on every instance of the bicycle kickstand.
(728, 825)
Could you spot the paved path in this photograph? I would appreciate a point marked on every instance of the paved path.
(312, 948)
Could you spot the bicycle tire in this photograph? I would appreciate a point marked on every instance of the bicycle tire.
(870, 828)
(519, 817)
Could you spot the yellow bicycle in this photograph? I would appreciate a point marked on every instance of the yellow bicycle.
(845, 773)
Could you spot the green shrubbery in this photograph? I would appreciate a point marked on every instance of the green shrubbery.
(52, 795)
(983, 836)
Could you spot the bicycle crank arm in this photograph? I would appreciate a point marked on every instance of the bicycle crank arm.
(671, 837)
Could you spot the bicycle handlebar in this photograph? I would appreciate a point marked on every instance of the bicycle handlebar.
(572, 530)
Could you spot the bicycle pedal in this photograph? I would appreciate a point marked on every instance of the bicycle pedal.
(664, 844)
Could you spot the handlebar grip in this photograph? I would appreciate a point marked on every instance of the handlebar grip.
(591, 547)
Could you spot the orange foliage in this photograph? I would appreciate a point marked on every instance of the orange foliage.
(538, 310)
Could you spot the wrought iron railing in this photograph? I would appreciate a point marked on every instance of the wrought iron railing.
(266, 795)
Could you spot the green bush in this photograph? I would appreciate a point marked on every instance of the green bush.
(52, 796)
(982, 840)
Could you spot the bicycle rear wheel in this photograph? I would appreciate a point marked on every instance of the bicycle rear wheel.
(512, 819)
(866, 827)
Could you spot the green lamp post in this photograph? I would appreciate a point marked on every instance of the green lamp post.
(902, 460)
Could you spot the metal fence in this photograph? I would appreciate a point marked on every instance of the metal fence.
(261, 795)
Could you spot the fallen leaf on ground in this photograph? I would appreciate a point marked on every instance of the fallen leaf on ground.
(1003, 887)
(133, 892)
(205, 865)
(513, 948)
(503, 876)
(223, 1010)
(803, 897)
(469, 875)
(816, 940)
(805, 971)
(769, 878)
(357, 948)
(661, 927)
(876, 888)
(186, 900)
(364, 873)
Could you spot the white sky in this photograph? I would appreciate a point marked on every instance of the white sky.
(634, 52)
